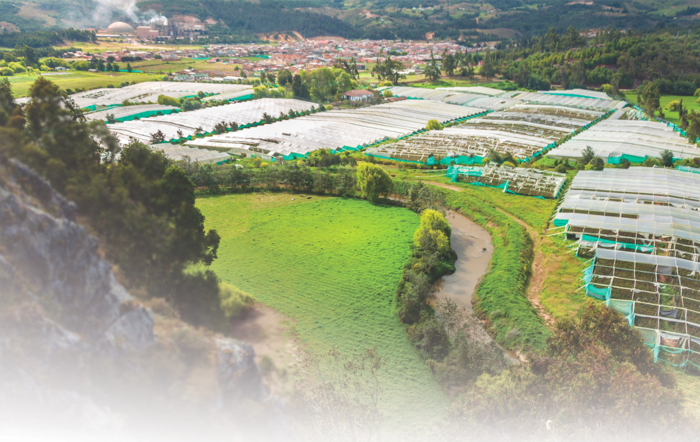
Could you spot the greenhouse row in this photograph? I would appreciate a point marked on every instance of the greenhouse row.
(618, 139)
(581, 102)
(203, 121)
(338, 129)
(175, 152)
(641, 227)
(128, 113)
(148, 92)
(448, 95)
(517, 181)
(523, 131)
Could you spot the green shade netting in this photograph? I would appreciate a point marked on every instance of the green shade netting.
(624, 156)
(560, 222)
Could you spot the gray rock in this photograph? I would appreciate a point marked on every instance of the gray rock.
(238, 373)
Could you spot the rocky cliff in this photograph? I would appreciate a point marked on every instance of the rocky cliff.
(63, 314)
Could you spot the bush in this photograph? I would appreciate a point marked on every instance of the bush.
(434, 125)
(674, 106)
(596, 163)
(560, 168)
(233, 300)
(388, 94)
(17, 68)
(373, 181)
(509, 164)
(682, 87)
(168, 101)
(7, 72)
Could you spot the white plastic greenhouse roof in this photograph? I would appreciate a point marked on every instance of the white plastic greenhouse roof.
(149, 91)
(229, 95)
(638, 183)
(578, 93)
(121, 112)
(481, 90)
(612, 138)
(180, 153)
(187, 122)
(666, 261)
(474, 97)
(571, 101)
(644, 200)
(336, 129)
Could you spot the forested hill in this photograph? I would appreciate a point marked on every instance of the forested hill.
(476, 20)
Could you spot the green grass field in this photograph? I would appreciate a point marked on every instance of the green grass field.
(165, 67)
(78, 79)
(688, 103)
(332, 265)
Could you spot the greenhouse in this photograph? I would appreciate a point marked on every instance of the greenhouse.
(175, 152)
(523, 131)
(449, 95)
(203, 121)
(481, 90)
(338, 130)
(518, 181)
(617, 139)
(128, 113)
(148, 92)
(581, 102)
(641, 226)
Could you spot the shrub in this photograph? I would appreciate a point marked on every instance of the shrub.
(674, 106)
(388, 94)
(596, 163)
(509, 164)
(434, 125)
(560, 168)
(233, 300)
(373, 181)
(168, 101)
(7, 72)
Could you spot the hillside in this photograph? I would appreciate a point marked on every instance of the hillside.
(405, 19)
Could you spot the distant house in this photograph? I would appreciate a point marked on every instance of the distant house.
(357, 95)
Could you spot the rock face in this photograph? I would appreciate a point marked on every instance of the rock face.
(63, 313)
(59, 260)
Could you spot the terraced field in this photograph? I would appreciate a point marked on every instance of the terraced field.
(332, 265)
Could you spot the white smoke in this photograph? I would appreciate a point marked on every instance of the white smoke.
(108, 11)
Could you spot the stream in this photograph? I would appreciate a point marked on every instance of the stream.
(472, 243)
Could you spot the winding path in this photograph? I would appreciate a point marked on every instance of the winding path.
(538, 273)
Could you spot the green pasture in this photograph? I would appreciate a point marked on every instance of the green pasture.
(78, 79)
(167, 66)
(688, 103)
(332, 265)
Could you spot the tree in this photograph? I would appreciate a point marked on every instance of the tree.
(667, 158)
(596, 163)
(284, 77)
(373, 181)
(488, 67)
(432, 70)
(693, 130)
(389, 69)
(128, 67)
(587, 155)
(448, 63)
(649, 98)
(168, 101)
(433, 125)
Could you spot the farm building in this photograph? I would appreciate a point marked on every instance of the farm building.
(203, 121)
(337, 130)
(622, 137)
(641, 226)
(357, 95)
(529, 182)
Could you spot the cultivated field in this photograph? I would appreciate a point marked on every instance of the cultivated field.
(688, 102)
(332, 265)
(76, 79)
